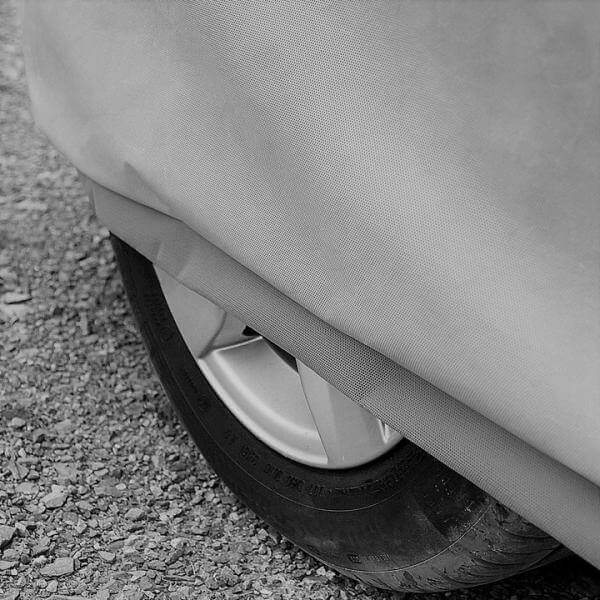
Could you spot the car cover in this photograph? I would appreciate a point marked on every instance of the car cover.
(405, 195)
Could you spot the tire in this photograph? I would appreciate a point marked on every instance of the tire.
(404, 521)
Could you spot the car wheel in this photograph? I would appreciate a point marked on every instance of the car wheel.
(329, 476)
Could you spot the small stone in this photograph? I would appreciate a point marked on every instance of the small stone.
(222, 558)
(33, 475)
(108, 557)
(27, 487)
(7, 564)
(6, 535)
(66, 472)
(199, 529)
(80, 526)
(227, 577)
(17, 470)
(145, 583)
(137, 574)
(22, 527)
(64, 426)
(212, 583)
(116, 545)
(157, 565)
(105, 489)
(17, 423)
(41, 547)
(54, 499)
(52, 586)
(175, 555)
(102, 595)
(11, 555)
(15, 297)
(134, 514)
(181, 593)
(135, 557)
(179, 542)
(61, 566)
(314, 579)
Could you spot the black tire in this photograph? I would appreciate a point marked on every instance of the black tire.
(404, 521)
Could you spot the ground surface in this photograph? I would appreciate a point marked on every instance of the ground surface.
(86, 433)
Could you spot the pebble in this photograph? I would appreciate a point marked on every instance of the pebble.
(80, 526)
(134, 514)
(108, 557)
(145, 583)
(15, 297)
(181, 593)
(157, 565)
(33, 475)
(175, 555)
(17, 423)
(41, 547)
(64, 426)
(27, 487)
(61, 566)
(84, 505)
(227, 577)
(6, 535)
(66, 472)
(11, 554)
(54, 499)
(7, 564)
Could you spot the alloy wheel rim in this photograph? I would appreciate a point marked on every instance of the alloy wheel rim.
(288, 407)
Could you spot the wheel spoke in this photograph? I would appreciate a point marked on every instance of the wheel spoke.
(347, 430)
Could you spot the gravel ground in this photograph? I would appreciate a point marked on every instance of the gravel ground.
(103, 495)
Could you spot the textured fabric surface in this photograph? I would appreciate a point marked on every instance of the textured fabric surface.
(420, 176)
(541, 489)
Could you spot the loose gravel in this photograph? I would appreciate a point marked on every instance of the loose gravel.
(103, 495)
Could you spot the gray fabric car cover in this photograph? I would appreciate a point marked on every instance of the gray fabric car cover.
(421, 178)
